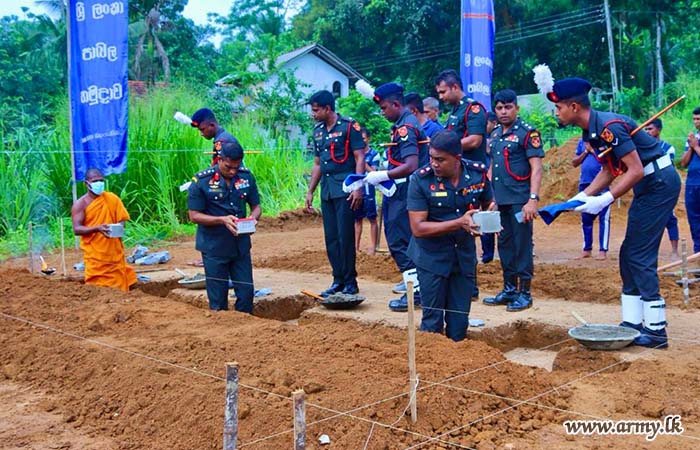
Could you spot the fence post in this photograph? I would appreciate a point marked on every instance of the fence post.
(63, 250)
(31, 250)
(299, 420)
(231, 412)
(684, 272)
(411, 353)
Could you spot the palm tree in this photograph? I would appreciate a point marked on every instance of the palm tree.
(150, 27)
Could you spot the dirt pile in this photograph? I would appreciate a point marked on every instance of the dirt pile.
(290, 221)
(147, 402)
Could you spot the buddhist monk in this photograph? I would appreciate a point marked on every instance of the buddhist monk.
(92, 215)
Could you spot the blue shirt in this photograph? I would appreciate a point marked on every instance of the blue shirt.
(693, 178)
(589, 167)
(430, 127)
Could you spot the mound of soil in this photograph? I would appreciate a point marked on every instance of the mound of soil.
(560, 179)
(147, 401)
(577, 358)
(290, 221)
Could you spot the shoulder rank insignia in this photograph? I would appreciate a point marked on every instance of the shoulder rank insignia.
(607, 135)
(244, 170)
(205, 173)
(356, 126)
(481, 167)
(425, 171)
(475, 109)
(403, 131)
(535, 139)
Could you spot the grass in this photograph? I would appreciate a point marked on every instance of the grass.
(162, 154)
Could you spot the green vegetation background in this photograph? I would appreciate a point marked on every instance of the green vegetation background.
(371, 35)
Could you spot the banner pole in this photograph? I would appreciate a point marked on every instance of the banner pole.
(73, 181)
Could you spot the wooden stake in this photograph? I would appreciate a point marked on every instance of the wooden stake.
(684, 272)
(411, 353)
(31, 250)
(299, 420)
(231, 411)
(63, 249)
(380, 213)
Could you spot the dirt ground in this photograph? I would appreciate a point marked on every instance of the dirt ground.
(83, 367)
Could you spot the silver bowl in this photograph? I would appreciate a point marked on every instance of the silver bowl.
(198, 281)
(604, 337)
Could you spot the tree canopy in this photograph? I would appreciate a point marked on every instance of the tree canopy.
(386, 40)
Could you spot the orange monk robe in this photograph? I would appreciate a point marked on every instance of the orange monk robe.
(105, 264)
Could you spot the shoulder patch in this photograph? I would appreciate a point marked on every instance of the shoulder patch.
(205, 173)
(217, 145)
(356, 126)
(403, 131)
(535, 139)
(607, 135)
(475, 108)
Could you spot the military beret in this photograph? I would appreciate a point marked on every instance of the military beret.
(202, 115)
(386, 90)
(569, 88)
(231, 150)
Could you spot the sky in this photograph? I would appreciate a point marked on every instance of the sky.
(196, 9)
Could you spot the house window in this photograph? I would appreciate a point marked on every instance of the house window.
(336, 89)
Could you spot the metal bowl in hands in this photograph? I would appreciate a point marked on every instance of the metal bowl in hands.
(198, 281)
(603, 337)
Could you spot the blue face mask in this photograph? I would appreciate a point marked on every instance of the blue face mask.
(97, 187)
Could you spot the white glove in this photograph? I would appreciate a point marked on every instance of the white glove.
(581, 196)
(376, 177)
(596, 203)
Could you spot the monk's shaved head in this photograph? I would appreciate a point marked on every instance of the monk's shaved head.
(93, 173)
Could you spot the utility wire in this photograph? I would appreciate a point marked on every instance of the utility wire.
(551, 21)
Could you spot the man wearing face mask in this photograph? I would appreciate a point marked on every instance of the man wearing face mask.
(92, 214)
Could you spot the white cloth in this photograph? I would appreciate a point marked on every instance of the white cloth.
(596, 203)
(655, 314)
(411, 275)
(376, 177)
(632, 309)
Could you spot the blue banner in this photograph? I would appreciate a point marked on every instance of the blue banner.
(476, 49)
(98, 52)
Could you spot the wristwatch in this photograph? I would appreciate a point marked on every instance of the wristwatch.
(534, 197)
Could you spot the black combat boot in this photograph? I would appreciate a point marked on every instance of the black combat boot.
(507, 295)
(524, 300)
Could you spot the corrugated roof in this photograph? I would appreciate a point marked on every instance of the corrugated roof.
(317, 49)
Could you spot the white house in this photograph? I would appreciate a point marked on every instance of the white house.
(315, 66)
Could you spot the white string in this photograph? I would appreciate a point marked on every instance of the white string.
(411, 399)
(198, 372)
(555, 389)
(368, 437)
